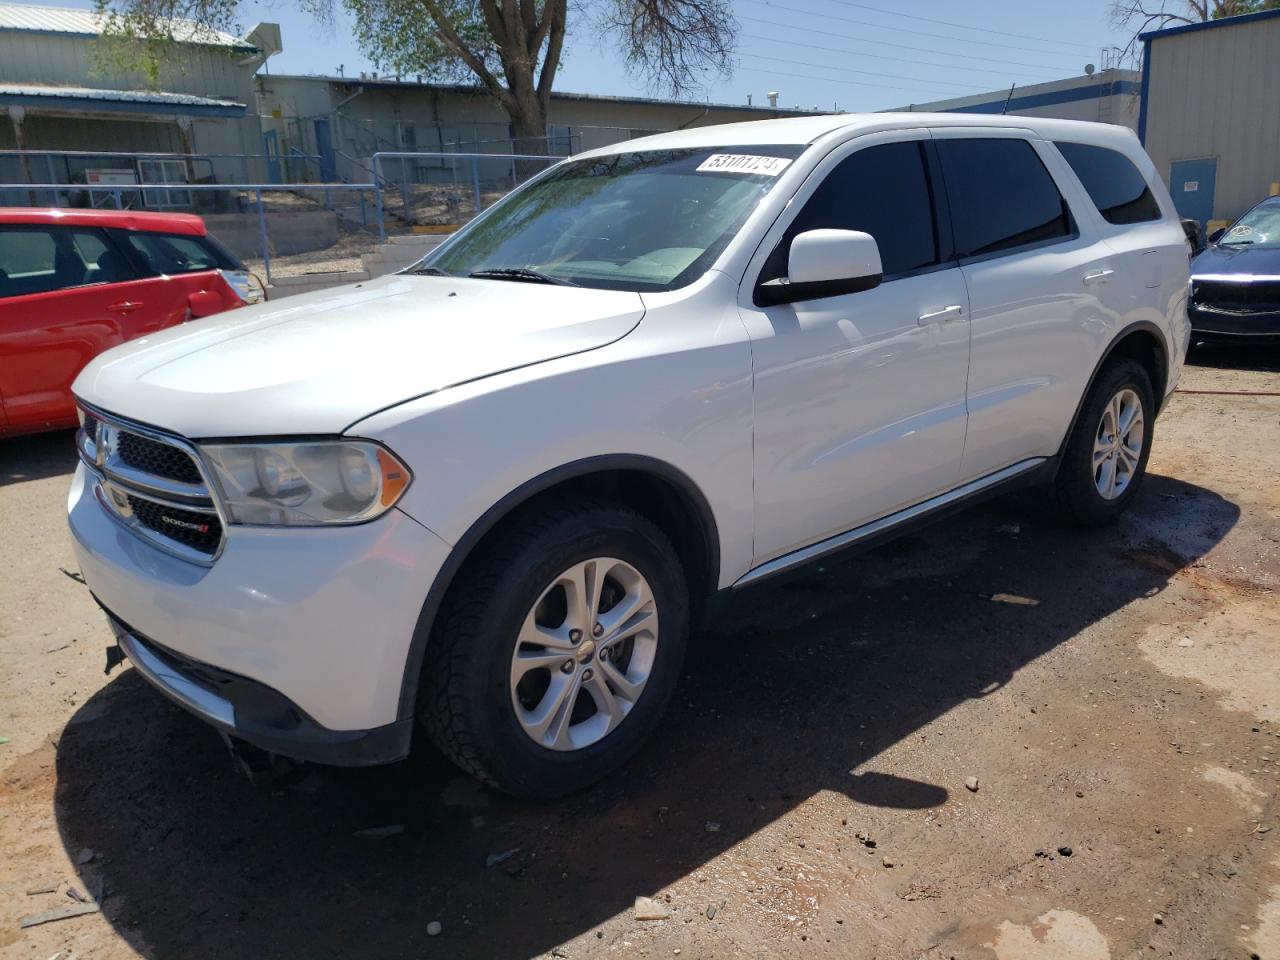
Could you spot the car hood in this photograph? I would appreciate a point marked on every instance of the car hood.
(316, 363)
(1238, 260)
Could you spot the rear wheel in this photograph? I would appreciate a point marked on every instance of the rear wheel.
(559, 649)
(1106, 456)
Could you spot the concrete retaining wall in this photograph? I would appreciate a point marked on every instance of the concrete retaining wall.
(399, 252)
(298, 231)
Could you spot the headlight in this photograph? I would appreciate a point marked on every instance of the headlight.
(307, 483)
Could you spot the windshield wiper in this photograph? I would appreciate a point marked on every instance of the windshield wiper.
(521, 275)
(429, 271)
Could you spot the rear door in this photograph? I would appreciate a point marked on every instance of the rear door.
(1041, 293)
(65, 296)
(173, 266)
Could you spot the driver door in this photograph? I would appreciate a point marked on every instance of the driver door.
(859, 398)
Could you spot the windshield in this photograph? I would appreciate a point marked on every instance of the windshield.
(644, 221)
(1260, 227)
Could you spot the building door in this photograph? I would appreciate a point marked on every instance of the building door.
(271, 147)
(324, 147)
(1191, 182)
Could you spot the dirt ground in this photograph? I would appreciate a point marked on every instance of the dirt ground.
(1124, 731)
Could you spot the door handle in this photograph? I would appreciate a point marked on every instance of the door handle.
(1098, 276)
(124, 306)
(953, 312)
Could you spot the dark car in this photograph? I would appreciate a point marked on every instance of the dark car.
(1235, 282)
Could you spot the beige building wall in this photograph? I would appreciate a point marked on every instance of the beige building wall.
(1216, 93)
(31, 57)
(371, 116)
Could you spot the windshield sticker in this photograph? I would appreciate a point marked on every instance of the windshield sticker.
(743, 163)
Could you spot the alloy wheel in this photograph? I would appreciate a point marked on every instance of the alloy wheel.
(585, 651)
(1117, 446)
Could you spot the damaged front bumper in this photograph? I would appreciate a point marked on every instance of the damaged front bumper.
(247, 710)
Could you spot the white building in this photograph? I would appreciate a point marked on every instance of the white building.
(1108, 96)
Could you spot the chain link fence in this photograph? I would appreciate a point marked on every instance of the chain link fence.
(296, 234)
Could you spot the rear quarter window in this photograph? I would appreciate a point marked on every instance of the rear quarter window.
(171, 253)
(1113, 183)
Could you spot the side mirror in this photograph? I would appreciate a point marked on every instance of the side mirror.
(1216, 235)
(825, 263)
(204, 303)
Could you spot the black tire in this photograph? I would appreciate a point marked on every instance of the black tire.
(466, 698)
(1074, 496)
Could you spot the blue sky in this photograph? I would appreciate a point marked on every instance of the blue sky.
(863, 55)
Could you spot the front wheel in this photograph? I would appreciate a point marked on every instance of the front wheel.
(1106, 456)
(559, 649)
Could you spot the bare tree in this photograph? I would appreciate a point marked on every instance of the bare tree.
(511, 48)
(1140, 16)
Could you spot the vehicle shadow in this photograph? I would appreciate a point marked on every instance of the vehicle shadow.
(1262, 358)
(798, 688)
(37, 456)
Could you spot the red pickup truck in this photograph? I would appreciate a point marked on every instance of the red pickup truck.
(75, 282)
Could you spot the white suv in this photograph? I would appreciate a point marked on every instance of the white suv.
(490, 494)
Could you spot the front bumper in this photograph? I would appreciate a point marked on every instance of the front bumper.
(295, 640)
(255, 713)
(1234, 327)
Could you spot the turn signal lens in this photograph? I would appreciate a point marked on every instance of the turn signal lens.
(395, 478)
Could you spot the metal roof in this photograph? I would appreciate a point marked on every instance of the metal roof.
(127, 101)
(121, 96)
(475, 89)
(38, 19)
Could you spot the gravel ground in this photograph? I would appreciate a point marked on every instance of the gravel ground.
(810, 794)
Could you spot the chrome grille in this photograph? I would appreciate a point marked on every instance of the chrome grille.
(161, 459)
(153, 484)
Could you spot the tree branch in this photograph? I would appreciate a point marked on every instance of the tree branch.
(553, 28)
(475, 63)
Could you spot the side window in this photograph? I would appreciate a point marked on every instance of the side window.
(1001, 196)
(102, 263)
(882, 190)
(35, 259)
(1114, 184)
(27, 258)
(170, 253)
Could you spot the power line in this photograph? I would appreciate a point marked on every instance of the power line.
(889, 43)
(918, 33)
(865, 73)
(874, 56)
(863, 87)
(840, 83)
(962, 26)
